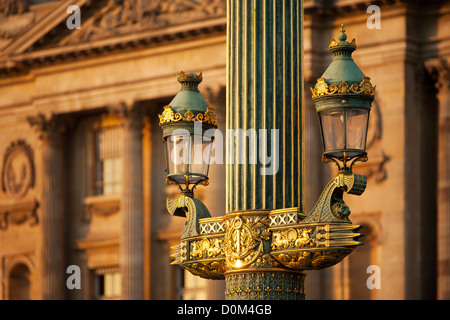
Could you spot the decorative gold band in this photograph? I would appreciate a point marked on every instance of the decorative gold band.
(322, 88)
(169, 116)
(183, 75)
(335, 43)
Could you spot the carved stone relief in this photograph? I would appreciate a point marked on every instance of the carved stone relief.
(439, 71)
(19, 213)
(14, 17)
(18, 177)
(101, 206)
(114, 17)
(11, 7)
(18, 173)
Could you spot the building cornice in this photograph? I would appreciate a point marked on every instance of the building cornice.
(23, 62)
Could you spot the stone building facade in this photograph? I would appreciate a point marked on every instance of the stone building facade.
(81, 153)
(405, 207)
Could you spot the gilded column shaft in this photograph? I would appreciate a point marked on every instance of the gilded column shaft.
(132, 233)
(264, 84)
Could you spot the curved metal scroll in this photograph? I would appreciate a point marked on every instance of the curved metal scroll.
(196, 210)
(331, 207)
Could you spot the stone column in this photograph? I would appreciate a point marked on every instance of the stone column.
(440, 69)
(215, 96)
(265, 153)
(50, 129)
(132, 205)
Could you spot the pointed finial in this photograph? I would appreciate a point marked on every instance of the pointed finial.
(342, 40)
(342, 36)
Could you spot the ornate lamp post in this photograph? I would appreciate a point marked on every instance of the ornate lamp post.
(188, 124)
(343, 97)
(263, 252)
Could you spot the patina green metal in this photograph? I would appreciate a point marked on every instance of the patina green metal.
(189, 97)
(186, 107)
(196, 209)
(343, 68)
(252, 285)
(265, 243)
(264, 93)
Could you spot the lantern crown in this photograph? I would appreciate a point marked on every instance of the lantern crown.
(343, 76)
(189, 97)
(187, 106)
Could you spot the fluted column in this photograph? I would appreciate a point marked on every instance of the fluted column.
(50, 129)
(441, 71)
(264, 84)
(444, 186)
(132, 233)
(264, 142)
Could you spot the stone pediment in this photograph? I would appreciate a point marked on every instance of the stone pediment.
(23, 23)
(110, 18)
(32, 32)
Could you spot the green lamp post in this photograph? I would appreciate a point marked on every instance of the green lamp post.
(262, 252)
(185, 143)
(188, 124)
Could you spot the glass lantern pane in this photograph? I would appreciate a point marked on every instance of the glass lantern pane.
(178, 153)
(188, 155)
(357, 128)
(201, 154)
(332, 122)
